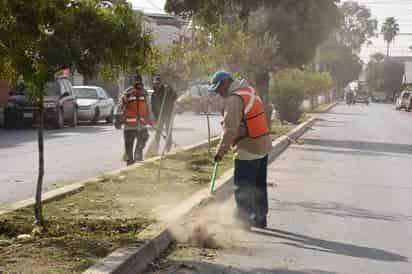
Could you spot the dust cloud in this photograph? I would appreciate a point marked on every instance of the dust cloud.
(213, 227)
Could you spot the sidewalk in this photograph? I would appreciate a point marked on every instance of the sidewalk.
(332, 210)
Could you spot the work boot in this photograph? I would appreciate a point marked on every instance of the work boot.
(260, 222)
(130, 162)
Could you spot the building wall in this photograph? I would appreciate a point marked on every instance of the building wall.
(408, 73)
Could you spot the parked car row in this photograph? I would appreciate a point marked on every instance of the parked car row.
(63, 105)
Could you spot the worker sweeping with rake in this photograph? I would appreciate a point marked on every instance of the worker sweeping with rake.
(246, 129)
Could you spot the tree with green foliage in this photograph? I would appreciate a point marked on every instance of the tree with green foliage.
(385, 75)
(317, 84)
(288, 93)
(357, 25)
(390, 29)
(343, 65)
(375, 70)
(338, 54)
(392, 78)
(43, 37)
(289, 31)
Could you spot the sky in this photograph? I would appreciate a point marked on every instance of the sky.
(402, 11)
(153, 6)
(381, 9)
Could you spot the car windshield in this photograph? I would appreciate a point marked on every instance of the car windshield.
(85, 93)
(52, 89)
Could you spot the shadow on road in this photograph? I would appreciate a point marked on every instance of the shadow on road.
(340, 210)
(198, 267)
(325, 125)
(347, 113)
(343, 152)
(315, 244)
(361, 145)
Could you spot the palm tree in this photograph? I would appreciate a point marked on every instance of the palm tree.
(390, 29)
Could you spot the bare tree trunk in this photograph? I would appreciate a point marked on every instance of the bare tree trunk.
(262, 85)
(38, 207)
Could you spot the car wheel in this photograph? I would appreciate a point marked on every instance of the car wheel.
(74, 120)
(96, 117)
(59, 119)
(110, 118)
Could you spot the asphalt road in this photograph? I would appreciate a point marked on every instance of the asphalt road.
(340, 204)
(75, 154)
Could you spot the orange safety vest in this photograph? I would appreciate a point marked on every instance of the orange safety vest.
(254, 117)
(136, 109)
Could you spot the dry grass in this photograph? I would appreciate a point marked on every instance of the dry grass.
(107, 214)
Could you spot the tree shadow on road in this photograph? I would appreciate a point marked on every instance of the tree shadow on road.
(361, 145)
(319, 245)
(343, 152)
(340, 210)
(348, 113)
(201, 267)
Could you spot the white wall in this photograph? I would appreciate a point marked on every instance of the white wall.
(408, 73)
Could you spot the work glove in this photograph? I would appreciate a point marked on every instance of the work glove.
(218, 158)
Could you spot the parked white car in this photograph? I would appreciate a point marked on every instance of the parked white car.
(94, 104)
(404, 100)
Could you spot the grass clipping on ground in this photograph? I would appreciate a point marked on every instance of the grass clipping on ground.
(107, 214)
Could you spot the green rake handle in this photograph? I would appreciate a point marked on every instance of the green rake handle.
(214, 176)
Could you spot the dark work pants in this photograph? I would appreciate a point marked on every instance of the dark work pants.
(251, 188)
(130, 137)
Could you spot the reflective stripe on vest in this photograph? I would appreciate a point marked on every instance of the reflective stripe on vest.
(254, 116)
(136, 108)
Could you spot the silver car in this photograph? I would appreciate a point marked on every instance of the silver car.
(94, 104)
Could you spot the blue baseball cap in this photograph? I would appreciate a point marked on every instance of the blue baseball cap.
(218, 78)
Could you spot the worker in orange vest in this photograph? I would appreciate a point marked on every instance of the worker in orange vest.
(245, 129)
(133, 113)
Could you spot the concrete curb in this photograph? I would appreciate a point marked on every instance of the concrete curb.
(62, 192)
(331, 106)
(47, 197)
(159, 236)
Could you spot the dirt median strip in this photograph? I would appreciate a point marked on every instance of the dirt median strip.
(160, 236)
(107, 214)
(130, 207)
(64, 191)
